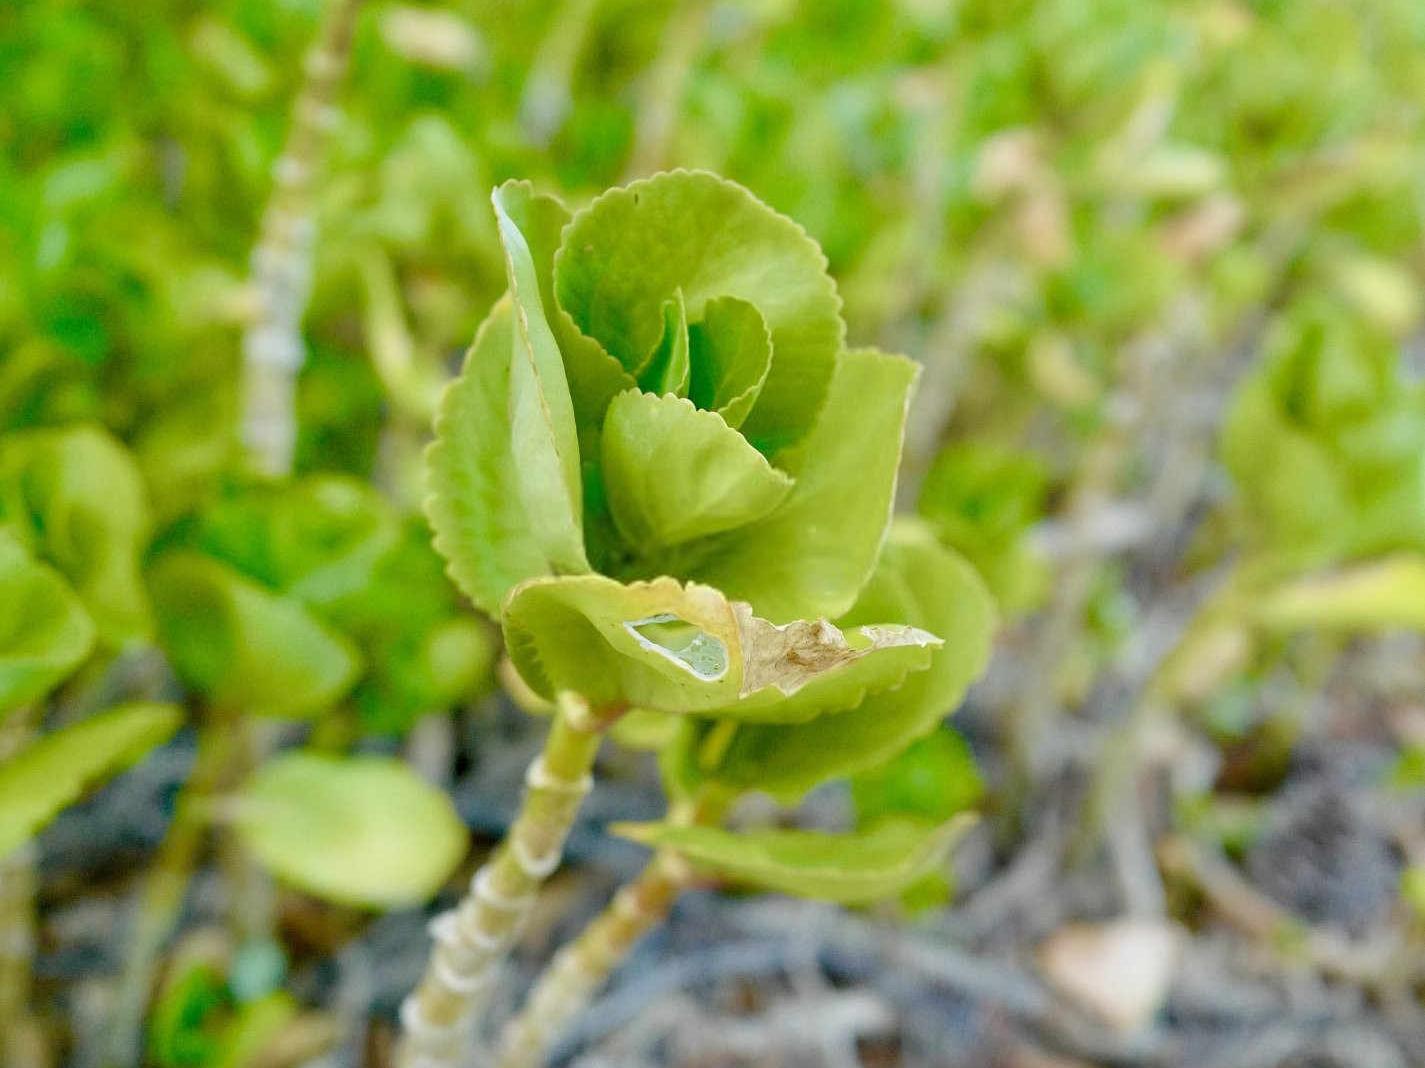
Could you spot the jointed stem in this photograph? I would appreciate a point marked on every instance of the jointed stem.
(581, 967)
(470, 940)
(281, 260)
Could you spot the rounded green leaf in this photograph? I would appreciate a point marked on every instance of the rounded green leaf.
(812, 555)
(360, 830)
(52, 772)
(916, 580)
(630, 250)
(852, 869)
(44, 631)
(474, 505)
(76, 496)
(244, 647)
(666, 647)
(674, 473)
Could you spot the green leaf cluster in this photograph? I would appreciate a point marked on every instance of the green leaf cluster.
(981, 500)
(665, 391)
(76, 498)
(286, 598)
(1326, 442)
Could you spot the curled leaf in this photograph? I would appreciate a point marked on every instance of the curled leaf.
(667, 647)
(631, 249)
(916, 580)
(812, 555)
(543, 433)
(668, 369)
(731, 355)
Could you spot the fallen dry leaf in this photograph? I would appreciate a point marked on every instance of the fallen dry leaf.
(1120, 971)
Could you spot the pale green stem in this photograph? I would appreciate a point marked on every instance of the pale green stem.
(664, 85)
(19, 1038)
(548, 92)
(438, 1019)
(273, 350)
(282, 259)
(164, 890)
(1115, 770)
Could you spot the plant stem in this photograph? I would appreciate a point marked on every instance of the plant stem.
(438, 1018)
(282, 259)
(166, 887)
(581, 967)
(548, 92)
(17, 947)
(664, 85)
(18, 887)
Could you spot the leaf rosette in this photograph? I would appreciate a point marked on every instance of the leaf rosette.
(662, 468)
(665, 391)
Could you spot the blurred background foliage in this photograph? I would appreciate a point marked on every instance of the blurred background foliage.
(1161, 261)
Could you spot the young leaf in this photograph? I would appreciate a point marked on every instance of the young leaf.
(680, 649)
(44, 631)
(543, 432)
(674, 473)
(362, 830)
(474, 504)
(632, 248)
(1380, 595)
(852, 869)
(812, 555)
(52, 773)
(668, 370)
(77, 497)
(916, 580)
(243, 647)
(731, 353)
